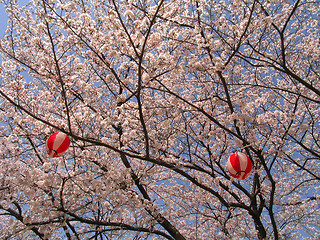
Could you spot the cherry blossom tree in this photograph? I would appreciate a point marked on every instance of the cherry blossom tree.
(155, 96)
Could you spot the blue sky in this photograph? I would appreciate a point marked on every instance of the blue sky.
(3, 20)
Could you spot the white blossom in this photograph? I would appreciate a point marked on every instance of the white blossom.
(155, 96)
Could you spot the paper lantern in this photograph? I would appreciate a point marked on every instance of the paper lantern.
(57, 144)
(239, 165)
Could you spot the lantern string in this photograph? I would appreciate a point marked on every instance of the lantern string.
(246, 146)
(54, 151)
(241, 172)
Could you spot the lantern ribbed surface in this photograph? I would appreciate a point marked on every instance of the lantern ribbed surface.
(57, 144)
(239, 165)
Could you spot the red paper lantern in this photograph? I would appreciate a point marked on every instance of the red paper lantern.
(239, 165)
(57, 144)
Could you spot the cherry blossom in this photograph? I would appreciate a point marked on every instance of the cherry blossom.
(155, 96)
